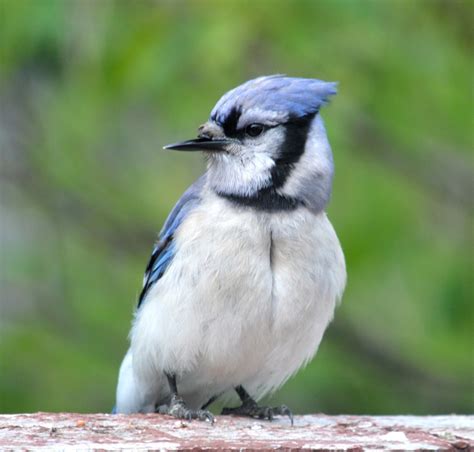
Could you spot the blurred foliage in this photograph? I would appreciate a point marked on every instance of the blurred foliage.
(91, 90)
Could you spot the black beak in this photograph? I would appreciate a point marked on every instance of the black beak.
(199, 144)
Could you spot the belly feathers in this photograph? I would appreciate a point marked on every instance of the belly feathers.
(245, 293)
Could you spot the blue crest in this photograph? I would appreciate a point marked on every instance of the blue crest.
(272, 99)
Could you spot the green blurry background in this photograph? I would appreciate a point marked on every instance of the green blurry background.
(90, 91)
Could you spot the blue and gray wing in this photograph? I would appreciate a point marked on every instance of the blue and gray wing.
(164, 250)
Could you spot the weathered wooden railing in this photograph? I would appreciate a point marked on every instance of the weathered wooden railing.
(67, 431)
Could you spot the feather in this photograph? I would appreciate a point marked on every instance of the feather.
(163, 252)
(272, 99)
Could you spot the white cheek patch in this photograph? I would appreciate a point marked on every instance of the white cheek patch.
(240, 175)
(246, 168)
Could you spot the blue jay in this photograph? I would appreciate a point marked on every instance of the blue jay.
(247, 270)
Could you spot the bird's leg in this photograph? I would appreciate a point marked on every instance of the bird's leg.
(250, 408)
(178, 409)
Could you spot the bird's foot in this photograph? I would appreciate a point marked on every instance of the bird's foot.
(178, 409)
(252, 409)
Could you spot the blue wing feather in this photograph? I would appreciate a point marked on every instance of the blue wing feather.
(164, 250)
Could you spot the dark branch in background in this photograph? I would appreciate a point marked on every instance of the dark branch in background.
(440, 392)
(442, 173)
(75, 214)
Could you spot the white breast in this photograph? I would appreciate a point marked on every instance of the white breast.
(245, 300)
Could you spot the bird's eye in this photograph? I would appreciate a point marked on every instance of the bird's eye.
(254, 130)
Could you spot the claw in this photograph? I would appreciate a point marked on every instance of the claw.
(285, 411)
(178, 409)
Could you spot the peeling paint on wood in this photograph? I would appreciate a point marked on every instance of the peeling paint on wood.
(106, 432)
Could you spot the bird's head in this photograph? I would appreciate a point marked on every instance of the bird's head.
(266, 136)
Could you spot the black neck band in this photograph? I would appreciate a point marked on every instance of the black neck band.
(267, 200)
(292, 148)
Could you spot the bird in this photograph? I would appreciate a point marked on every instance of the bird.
(247, 270)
